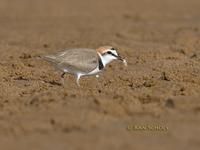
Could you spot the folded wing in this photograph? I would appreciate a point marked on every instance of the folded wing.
(73, 60)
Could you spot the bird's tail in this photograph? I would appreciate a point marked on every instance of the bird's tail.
(48, 58)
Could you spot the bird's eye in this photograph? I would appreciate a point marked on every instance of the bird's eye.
(112, 48)
(109, 52)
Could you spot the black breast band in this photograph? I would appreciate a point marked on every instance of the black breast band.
(101, 66)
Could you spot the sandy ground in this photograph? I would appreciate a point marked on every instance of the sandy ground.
(160, 86)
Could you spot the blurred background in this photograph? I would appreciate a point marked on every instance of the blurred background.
(160, 40)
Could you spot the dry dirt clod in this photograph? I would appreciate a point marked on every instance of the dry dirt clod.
(193, 56)
(164, 77)
(21, 78)
(25, 56)
(45, 45)
(169, 103)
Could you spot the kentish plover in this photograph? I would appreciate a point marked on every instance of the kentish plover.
(82, 61)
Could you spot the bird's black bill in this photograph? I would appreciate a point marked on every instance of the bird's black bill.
(120, 58)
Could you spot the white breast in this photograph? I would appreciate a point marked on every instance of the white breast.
(95, 71)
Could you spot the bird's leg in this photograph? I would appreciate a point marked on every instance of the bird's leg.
(62, 78)
(77, 79)
(63, 75)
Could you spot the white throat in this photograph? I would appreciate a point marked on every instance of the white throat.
(105, 59)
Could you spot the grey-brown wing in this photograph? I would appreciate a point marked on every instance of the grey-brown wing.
(84, 60)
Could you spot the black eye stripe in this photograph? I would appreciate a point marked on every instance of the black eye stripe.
(109, 52)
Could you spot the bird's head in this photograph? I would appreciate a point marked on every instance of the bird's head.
(108, 54)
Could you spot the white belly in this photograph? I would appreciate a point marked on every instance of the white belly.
(94, 72)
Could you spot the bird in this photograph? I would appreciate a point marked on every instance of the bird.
(83, 61)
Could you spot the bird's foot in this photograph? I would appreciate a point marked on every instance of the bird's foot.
(63, 79)
(77, 79)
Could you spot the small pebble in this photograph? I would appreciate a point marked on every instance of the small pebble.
(125, 62)
(169, 103)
